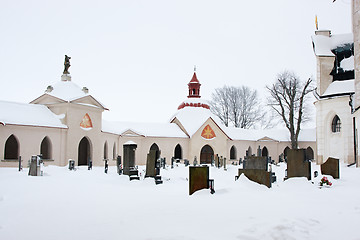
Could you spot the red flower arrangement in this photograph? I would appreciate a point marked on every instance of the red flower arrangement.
(325, 181)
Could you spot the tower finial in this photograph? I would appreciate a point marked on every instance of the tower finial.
(316, 23)
(194, 68)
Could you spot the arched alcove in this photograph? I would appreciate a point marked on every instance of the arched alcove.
(11, 148)
(46, 148)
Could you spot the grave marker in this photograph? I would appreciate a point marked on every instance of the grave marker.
(331, 167)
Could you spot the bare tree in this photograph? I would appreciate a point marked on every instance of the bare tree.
(239, 106)
(220, 104)
(288, 100)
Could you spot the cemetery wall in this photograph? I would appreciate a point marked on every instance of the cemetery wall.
(29, 139)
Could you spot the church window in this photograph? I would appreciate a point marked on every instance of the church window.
(336, 124)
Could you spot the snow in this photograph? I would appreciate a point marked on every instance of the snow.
(91, 205)
(323, 44)
(339, 87)
(144, 129)
(347, 64)
(67, 90)
(192, 118)
(28, 114)
(276, 134)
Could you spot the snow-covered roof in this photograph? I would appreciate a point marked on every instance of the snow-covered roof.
(144, 129)
(323, 44)
(28, 114)
(67, 90)
(192, 118)
(340, 87)
(281, 135)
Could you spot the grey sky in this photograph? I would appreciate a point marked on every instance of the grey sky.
(137, 57)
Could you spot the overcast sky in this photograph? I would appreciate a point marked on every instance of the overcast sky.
(137, 57)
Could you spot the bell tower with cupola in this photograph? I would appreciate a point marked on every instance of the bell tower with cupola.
(194, 87)
(194, 98)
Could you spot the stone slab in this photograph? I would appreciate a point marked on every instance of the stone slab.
(297, 164)
(331, 167)
(257, 175)
(254, 162)
(198, 178)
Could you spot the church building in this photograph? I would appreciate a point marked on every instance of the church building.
(66, 123)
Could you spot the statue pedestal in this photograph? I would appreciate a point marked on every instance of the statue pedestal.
(66, 77)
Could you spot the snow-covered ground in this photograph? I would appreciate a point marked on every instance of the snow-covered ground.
(84, 204)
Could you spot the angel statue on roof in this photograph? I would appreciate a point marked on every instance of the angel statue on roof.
(67, 64)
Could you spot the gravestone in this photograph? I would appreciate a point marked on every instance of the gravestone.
(71, 164)
(259, 151)
(331, 167)
(186, 162)
(151, 164)
(36, 166)
(257, 175)
(297, 164)
(90, 164)
(217, 160)
(195, 161)
(106, 166)
(256, 163)
(129, 158)
(118, 165)
(221, 162)
(199, 178)
(224, 163)
(20, 167)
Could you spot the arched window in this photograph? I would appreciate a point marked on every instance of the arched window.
(105, 150)
(309, 153)
(178, 152)
(265, 152)
(154, 147)
(11, 148)
(336, 124)
(46, 148)
(233, 153)
(114, 151)
(286, 151)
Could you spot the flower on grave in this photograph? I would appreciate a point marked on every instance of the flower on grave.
(325, 181)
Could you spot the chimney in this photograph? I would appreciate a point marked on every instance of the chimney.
(326, 33)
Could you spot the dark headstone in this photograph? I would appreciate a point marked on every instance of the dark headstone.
(33, 169)
(129, 158)
(259, 151)
(20, 167)
(256, 163)
(258, 175)
(150, 164)
(195, 161)
(297, 164)
(89, 164)
(71, 164)
(118, 165)
(106, 166)
(198, 178)
(331, 167)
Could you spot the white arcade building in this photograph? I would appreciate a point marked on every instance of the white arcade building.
(66, 123)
